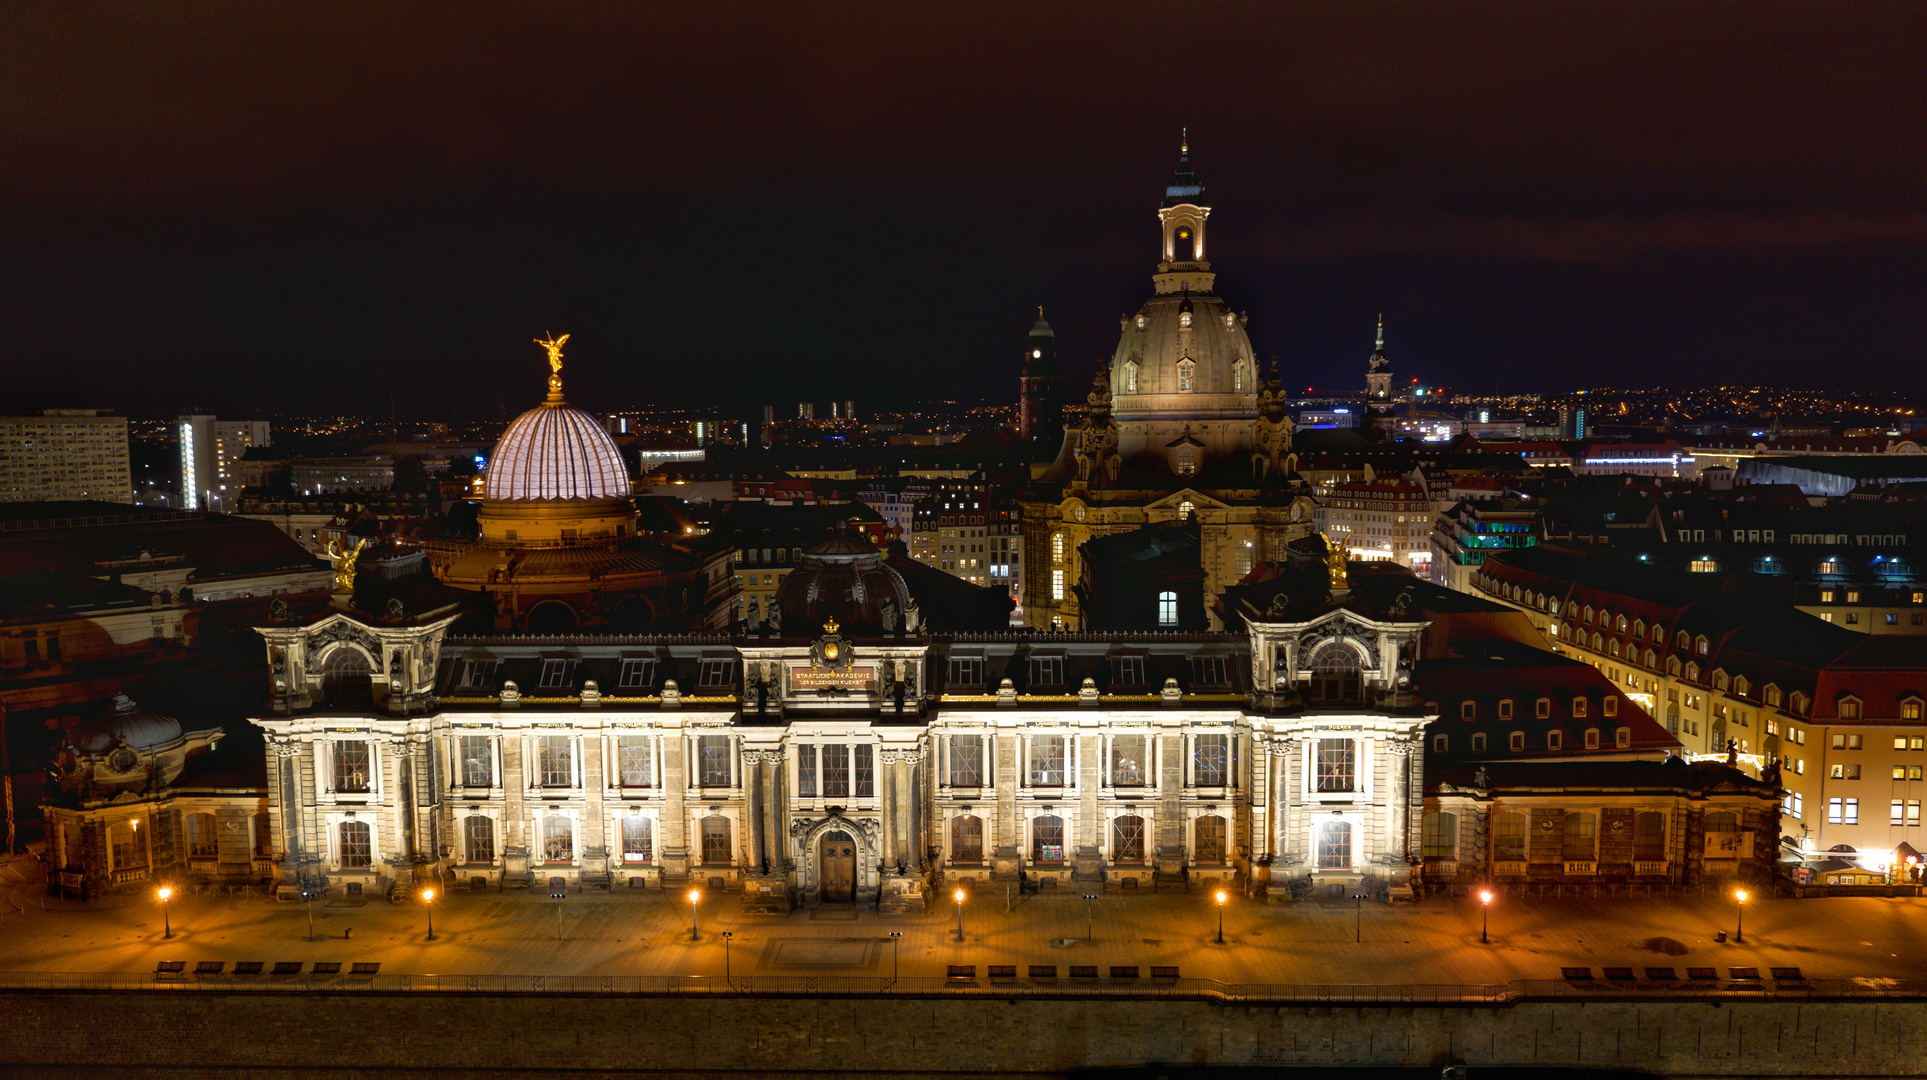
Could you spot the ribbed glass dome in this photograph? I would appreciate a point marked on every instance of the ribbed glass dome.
(554, 453)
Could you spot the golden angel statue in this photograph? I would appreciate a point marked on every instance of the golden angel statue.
(554, 345)
(345, 563)
(1334, 562)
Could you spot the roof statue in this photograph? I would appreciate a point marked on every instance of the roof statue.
(1334, 562)
(345, 563)
(554, 346)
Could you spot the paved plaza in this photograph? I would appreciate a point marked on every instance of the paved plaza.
(1329, 941)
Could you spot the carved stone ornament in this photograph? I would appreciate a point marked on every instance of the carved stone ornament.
(345, 632)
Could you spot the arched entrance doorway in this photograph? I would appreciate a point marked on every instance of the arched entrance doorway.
(836, 859)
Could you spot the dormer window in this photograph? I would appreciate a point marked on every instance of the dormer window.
(1187, 371)
(1505, 708)
(1592, 738)
(1579, 707)
(1555, 740)
(1142, 321)
(1543, 709)
(1184, 320)
(1610, 706)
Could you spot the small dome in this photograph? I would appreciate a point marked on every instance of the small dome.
(554, 453)
(846, 578)
(126, 723)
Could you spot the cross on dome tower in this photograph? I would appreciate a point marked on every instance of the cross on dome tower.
(1182, 215)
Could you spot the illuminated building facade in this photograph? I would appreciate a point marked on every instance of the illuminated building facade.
(211, 451)
(1178, 424)
(1381, 520)
(64, 454)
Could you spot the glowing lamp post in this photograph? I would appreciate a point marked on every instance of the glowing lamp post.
(1485, 913)
(896, 968)
(695, 895)
(1739, 929)
(1221, 899)
(428, 901)
(165, 921)
(726, 935)
(959, 897)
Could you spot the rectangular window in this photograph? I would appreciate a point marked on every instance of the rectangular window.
(554, 761)
(712, 757)
(1056, 584)
(1167, 609)
(124, 842)
(1649, 837)
(1047, 760)
(966, 761)
(1337, 765)
(1208, 671)
(866, 771)
(717, 674)
(716, 840)
(1581, 836)
(1130, 760)
(477, 674)
(1478, 742)
(1518, 741)
(478, 761)
(1210, 756)
(967, 674)
(202, 841)
(1897, 812)
(555, 673)
(357, 845)
(836, 771)
(638, 674)
(478, 834)
(636, 761)
(1852, 812)
(351, 765)
(1127, 671)
(1046, 671)
(1047, 839)
(638, 839)
(806, 771)
(1440, 840)
(967, 839)
(1579, 708)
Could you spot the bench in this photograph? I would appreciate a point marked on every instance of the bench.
(209, 968)
(961, 971)
(1665, 975)
(366, 969)
(170, 971)
(1576, 974)
(1745, 974)
(1083, 971)
(1703, 974)
(286, 968)
(1122, 972)
(1618, 974)
(1003, 973)
(325, 967)
(1043, 971)
(1788, 974)
(1164, 974)
(248, 967)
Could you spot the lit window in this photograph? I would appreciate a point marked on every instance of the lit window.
(1167, 609)
(1186, 372)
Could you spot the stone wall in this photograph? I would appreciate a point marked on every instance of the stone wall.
(300, 1033)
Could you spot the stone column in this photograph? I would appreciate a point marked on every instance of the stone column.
(1008, 843)
(675, 819)
(1087, 862)
(773, 811)
(753, 797)
(890, 761)
(1170, 833)
(909, 805)
(1290, 753)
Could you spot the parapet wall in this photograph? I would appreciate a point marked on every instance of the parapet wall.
(177, 1033)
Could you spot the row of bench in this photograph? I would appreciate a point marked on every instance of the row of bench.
(1582, 976)
(176, 970)
(1008, 972)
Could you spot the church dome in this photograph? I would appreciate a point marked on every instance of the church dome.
(1184, 355)
(555, 453)
(126, 723)
(846, 578)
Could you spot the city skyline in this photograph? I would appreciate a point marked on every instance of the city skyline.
(244, 208)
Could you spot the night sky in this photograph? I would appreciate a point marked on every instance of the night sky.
(306, 208)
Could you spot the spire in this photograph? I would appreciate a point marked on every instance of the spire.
(1184, 186)
(1381, 331)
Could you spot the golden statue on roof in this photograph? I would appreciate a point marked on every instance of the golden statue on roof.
(344, 561)
(1334, 562)
(554, 346)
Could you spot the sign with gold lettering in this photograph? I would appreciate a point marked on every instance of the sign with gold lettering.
(849, 678)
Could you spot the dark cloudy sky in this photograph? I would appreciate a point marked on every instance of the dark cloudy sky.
(308, 207)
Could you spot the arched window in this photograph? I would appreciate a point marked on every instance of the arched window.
(1440, 838)
(967, 839)
(1130, 374)
(1167, 609)
(1672, 665)
(1652, 658)
(1612, 647)
(344, 679)
(1335, 673)
(1741, 685)
(1057, 548)
(638, 839)
(558, 839)
(1598, 641)
(716, 843)
(1047, 839)
(1693, 672)
(1209, 841)
(478, 838)
(1509, 838)
(1702, 644)
(1582, 836)
(1685, 640)
(1772, 695)
(356, 845)
(1619, 623)
(1649, 836)
(202, 841)
(1238, 375)
(1335, 845)
(1659, 634)
(1187, 372)
(1127, 839)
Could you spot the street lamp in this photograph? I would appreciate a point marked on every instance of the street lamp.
(558, 896)
(959, 896)
(1358, 917)
(165, 921)
(1485, 913)
(1090, 917)
(428, 900)
(896, 938)
(1739, 930)
(308, 895)
(1221, 896)
(726, 935)
(694, 895)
